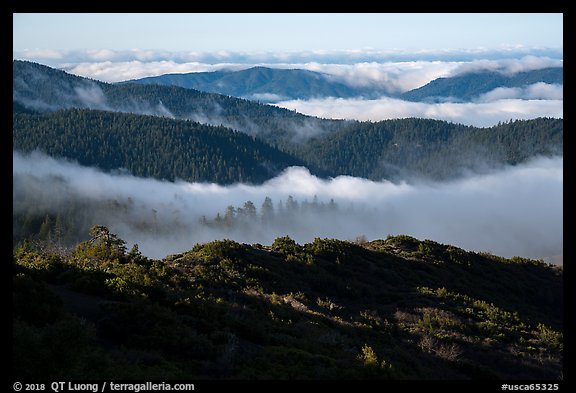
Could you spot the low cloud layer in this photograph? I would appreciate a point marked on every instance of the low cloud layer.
(321, 56)
(488, 112)
(108, 71)
(517, 211)
(536, 91)
(88, 95)
(393, 77)
(508, 66)
(393, 71)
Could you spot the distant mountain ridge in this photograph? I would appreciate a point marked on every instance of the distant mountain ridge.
(395, 150)
(468, 86)
(40, 88)
(273, 85)
(211, 93)
(259, 83)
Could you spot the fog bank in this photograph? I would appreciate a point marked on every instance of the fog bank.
(516, 211)
(492, 108)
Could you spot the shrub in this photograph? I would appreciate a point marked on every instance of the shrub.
(549, 337)
(286, 246)
(368, 356)
(33, 302)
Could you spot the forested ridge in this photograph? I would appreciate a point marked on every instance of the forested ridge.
(398, 308)
(150, 146)
(259, 83)
(472, 85)
(432, 149)
(395, 150)
(164, 148)
(282, 84)
(40, 88)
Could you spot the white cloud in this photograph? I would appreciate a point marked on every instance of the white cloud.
(266, 97)
(536, 91)
(321, 56)
(508, 66)
(92, 96)
(501, 93)
(517, 211)
(481, 114)
(395, 77)
(41, 55)
(544, 91)
(126, 70)
(394, 70)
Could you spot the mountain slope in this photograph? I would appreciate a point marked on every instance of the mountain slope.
(431, 149)
(259, 83)
(41, 88)
(59, 90)
(398, 308)
(150, 146)
(391, 149)
(468, 86)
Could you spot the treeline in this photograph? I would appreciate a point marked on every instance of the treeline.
(60, 223)
(163, 148)
(288, 211)
(150, 146)
(41, 88)
(432, 149)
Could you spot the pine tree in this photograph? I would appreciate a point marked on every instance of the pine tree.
(267, 211)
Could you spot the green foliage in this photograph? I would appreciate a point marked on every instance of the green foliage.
(327, 304)
(404, 241)
(549, 337)
(374, 368)
(39, 265)
(220, 249)
(286, 246)
(368, 356)
(374, 320)
(103, 246)
(401, 149)
(36, 351)
(292, 251)
(230, 310)
(33, 302)
(333, 249)
(163, 149)
(489, 321)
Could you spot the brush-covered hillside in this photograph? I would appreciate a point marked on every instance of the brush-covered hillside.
(398, 308)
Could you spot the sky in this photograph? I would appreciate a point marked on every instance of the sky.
(285, 31)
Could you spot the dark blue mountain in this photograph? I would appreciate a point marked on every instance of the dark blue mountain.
(259, 83)
(466, 87)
